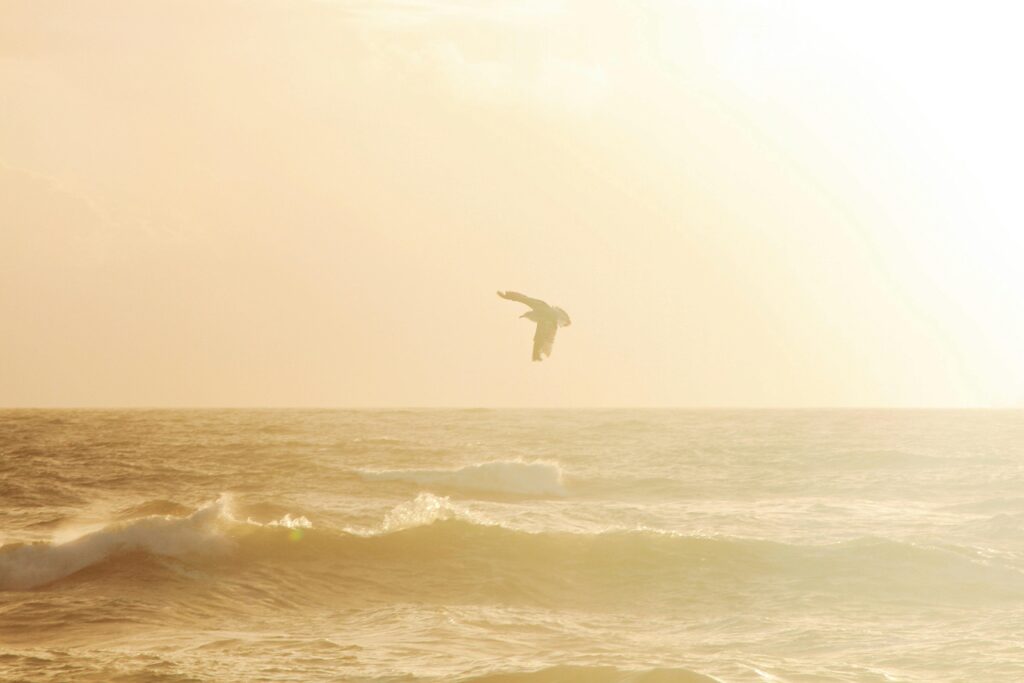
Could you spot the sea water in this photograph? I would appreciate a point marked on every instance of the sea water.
(501, 545)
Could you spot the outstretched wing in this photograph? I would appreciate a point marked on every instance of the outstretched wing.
(523, 299)
(544, 339)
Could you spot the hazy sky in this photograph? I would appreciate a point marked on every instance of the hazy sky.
(312, 203)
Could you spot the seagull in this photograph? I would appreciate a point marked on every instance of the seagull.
(548, 319)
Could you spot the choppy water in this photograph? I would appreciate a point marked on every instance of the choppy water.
(511, 546)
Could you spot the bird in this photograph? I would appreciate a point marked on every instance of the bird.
(548, 319)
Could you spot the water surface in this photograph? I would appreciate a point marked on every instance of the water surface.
(479, 545)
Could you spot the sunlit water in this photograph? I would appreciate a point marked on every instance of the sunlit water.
(511, 546)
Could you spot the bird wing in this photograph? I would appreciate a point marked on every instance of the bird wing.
(544, 338)
(523, 299)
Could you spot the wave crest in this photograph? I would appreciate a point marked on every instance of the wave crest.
(426, 509)
(205, 532)
(433, 548)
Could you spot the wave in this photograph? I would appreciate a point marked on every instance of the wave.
(204, 533)
(433, 549)
(502, 476)
(595, 674)
(425, 509)
(151, 508)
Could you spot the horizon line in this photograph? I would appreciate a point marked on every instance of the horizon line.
(518, 407)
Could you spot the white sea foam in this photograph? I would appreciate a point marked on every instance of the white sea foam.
(287, 522)
(536, 477)
(423, 510)
(426, 509)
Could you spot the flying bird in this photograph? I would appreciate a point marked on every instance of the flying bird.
(548, 319)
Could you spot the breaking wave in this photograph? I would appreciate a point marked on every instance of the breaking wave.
(432, 548)
(500, 476)
(204, 533)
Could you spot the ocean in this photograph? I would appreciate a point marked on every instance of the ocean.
(511, 545)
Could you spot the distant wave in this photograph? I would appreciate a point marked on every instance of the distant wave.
(595, 674)
(502, 476)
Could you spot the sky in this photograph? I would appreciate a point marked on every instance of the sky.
(312, 203)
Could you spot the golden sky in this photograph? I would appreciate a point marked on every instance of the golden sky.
(312, 203)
